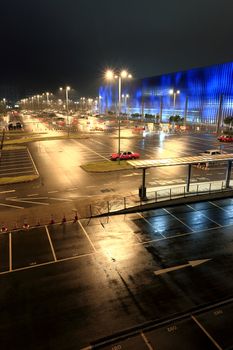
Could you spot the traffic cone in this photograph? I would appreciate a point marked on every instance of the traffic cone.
(75, 218)
(51, 221)
(4, 228)
(26, 226)
(63, 220)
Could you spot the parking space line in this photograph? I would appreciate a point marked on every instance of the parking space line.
(206, 333)
(11, 206)
(51, 244)
(178, 219)
(218, 207)
(10, 252)
(46, 263)
(18, 172)
(204, 215)
(33, 162)
(150, 223)
(87, 235)
(146, 341)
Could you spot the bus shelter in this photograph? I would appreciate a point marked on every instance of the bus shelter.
(185, 161)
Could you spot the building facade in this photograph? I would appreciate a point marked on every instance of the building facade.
(205, 95)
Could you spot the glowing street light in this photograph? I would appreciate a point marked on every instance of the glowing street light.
(67, 89)
(110, 75)
(174, 93)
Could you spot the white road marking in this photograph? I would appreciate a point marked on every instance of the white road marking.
(10, 252)
(18, 172)
(178, 219)
(219, 207)
(12, 168)
(85, 232)
(11, 206)
(146, 341)
(25, 200)
(61, 199)
(7, 191)
(91, 150)
(191, 263)
(47, 263)
(52, 191)
(33, 194)
(150, 224)
(33, 162)
(206, 333)
(50, 242)
(204, 215)
(72, 189)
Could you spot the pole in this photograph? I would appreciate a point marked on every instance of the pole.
(161, 109)
(219, 116)
(185, 110)
(67, 111)
(119, 119)
(2, 140)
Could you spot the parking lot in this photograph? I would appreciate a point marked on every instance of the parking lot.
(16, 162)
(99, 277)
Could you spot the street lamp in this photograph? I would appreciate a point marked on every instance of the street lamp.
(174, 93)
(110, 75)
(67, 89)
(125, 97)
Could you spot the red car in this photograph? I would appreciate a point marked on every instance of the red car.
(225, 138)
(124, 156)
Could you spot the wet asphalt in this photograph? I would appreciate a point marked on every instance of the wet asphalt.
(79, 284)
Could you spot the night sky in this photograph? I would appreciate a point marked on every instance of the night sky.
(49, 43)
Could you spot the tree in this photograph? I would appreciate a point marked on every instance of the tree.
(228, 121)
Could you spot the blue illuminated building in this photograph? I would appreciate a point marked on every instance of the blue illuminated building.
(205, 94)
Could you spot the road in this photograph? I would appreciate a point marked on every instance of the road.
(61, 176)
(66, 286)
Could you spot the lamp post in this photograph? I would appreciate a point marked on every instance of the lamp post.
(110, 75)
(67, 89)
(174, 93)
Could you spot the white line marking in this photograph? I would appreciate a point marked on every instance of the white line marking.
(7, 191)
(52, 191)
(206, 333)
(219, 207)
(146, 341)
(87, 235)
(33, 162)
(72, 189)
(11, 206)
(150, 224)
(204, 215)
(178, 219)
(46, 263)
(33, 194)
(191, 263)
(26, 201)
(10, 252)
(18, 172)
(50, 242)
(61, 199)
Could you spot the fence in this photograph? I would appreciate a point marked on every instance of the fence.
(116, 204)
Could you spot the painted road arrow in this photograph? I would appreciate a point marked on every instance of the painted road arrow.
(191, 263)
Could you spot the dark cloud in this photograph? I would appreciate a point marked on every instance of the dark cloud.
(47, 43)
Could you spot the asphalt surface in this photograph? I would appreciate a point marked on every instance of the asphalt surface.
(68, 286)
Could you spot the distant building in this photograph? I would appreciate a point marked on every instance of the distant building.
(206, 94)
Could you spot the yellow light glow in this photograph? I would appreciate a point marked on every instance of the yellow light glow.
(171, 91)
(124, 74)
(109, 74)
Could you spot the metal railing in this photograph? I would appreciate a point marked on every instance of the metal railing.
(120, 203)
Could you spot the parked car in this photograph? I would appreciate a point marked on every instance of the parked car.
(225, 138)
(125, 156)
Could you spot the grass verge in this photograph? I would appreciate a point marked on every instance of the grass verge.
(104, 166)
(17, 179)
